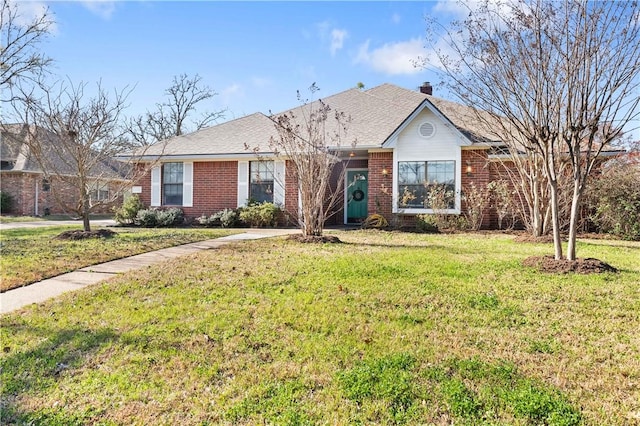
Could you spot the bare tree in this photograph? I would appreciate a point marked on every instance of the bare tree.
(553, 77)
(310, 139)
(171, 118)
(20, 58)
(74, 138)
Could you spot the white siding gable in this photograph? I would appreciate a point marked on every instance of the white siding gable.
(443, 145)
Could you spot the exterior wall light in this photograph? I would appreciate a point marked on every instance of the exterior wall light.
(385, 172)
(469, 169)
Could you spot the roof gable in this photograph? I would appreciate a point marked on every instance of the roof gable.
(377, 115)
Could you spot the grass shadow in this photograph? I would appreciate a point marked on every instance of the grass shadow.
(38, 369)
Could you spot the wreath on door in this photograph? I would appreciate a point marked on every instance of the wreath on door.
(358, 195)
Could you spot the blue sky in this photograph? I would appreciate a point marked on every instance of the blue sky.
(255, 55)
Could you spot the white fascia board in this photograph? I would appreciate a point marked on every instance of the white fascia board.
(392, 140)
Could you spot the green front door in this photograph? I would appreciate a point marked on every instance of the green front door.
(356, 194)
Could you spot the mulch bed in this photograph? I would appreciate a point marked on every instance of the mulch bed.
(528, 238)
(78, 234)
(313, 239)
(579, 266)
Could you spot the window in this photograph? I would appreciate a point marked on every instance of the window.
(46, 185)
(172, 180)
(421, 182)
(99, 193)
(261, 181)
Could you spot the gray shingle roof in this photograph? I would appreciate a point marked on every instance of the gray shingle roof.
(14, 149)
(375, 114)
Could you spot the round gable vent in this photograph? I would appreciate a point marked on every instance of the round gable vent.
(427, 129)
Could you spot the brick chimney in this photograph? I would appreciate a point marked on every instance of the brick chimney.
(426, 88)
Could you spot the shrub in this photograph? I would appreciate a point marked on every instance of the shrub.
(440, 222)
(226, 218)
(170, 217)
(208, 221)
(427, 223)
(375, 221)
(6, 202)
(258, 215)
(151, 218)
(615, 198)
(146, 218)
(477, 200)
(126, 214)
(503, 201)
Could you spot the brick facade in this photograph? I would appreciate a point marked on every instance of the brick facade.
(215, 187)
(59, 199)
(381, 184)
(476, 169)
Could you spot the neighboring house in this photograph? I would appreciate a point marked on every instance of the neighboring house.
(34, 192)
(404, 139)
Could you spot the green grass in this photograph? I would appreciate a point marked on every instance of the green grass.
(389, 328)
(54, 218)
(28, 255)
(17, 219)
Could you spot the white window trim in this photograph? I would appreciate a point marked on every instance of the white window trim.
(187, 184)
(155, 186)
(243, 183)
(279, 191)
(413, 211)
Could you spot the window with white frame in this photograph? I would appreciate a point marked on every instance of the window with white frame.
(261, 181)
(420, 181)
(172, 184)
(100, 192)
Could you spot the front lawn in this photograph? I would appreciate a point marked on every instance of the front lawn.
(28, 255)
(388, 328)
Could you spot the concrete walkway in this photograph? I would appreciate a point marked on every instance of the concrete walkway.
(13, 300)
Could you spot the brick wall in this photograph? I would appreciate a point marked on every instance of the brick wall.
(381, 185)
(22, 188)
(60, 199)
(291, 194)
(215, 187)
(480, 175)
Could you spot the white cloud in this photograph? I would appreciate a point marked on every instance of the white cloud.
(28, 11)
(261, 82)
(396, 18)
(337, 40)
(232, 90)
(329, 33)
(102, 8)
(462, 9)
(454, 7)
(392, 58)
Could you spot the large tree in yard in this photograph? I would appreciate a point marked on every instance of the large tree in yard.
(311, 139)
(175, 116)
(559, 80)
(20, 37)
(75, 137)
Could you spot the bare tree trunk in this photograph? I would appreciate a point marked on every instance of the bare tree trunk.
(85, 213)
(536, 217)
(557, 242)
(573, 224)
